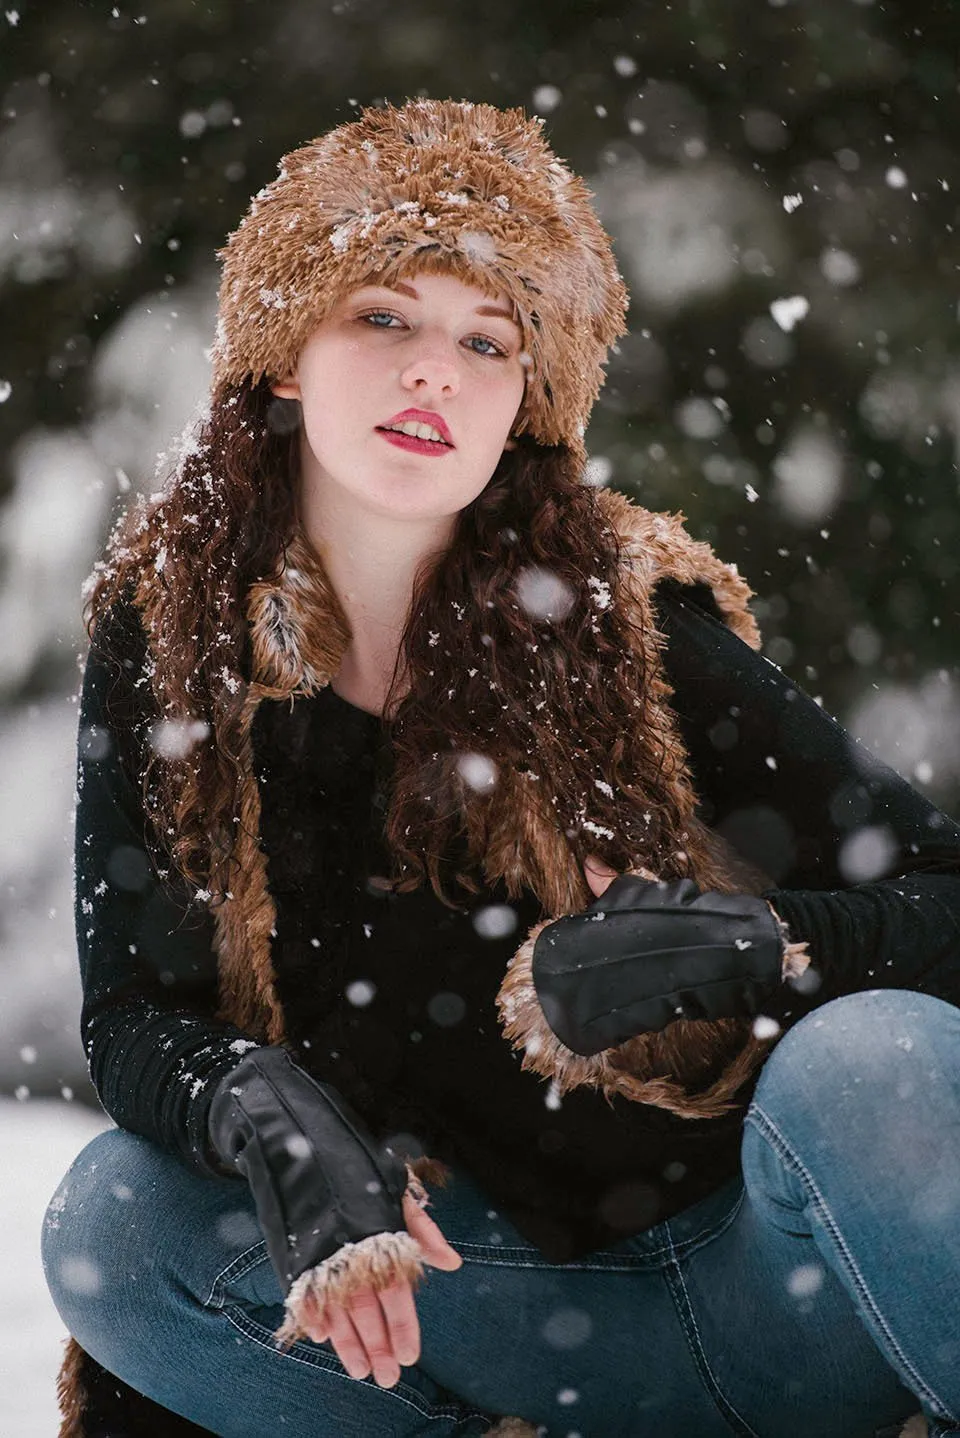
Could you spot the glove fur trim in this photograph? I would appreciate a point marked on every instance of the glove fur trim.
(648, 1069)
(377, 1262)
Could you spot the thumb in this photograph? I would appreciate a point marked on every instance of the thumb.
(599, 875)
(434, 1247)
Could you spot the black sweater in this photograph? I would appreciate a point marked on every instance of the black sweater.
(392, 997)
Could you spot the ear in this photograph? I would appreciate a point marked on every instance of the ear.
(510, 444)
(285, 389)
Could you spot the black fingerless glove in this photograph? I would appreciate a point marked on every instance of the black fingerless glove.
(319, 1179)
(647, 953)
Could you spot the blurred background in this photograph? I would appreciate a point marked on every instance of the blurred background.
(781, 181)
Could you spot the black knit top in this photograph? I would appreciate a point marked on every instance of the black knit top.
(391, 997)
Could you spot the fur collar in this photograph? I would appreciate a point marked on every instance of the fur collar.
(299, 633)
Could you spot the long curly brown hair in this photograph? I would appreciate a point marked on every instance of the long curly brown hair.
(549, 690)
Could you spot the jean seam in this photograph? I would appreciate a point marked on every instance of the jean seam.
(691, 1331)
(237, 1267)
(479, 1253)
(781, 1146)
(686, 1246)
(314, 1357)
(604, 1261)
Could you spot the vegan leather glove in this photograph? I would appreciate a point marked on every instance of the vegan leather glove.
(328, 1196)
(646, 953)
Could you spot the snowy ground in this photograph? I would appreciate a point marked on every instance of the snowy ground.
(38, 1140)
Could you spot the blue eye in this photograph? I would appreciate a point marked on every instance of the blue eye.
(494, 351)
(481, 345)
(373, 317)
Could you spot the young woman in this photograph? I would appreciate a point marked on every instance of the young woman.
(439, 824)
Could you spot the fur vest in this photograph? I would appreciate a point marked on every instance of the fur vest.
(298, 641)
(693, 1068)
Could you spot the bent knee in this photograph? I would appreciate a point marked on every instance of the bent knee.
(870, 1084)
(132, 1235)
(868, 1047)
(91, 1225)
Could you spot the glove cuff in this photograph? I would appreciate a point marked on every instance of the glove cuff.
(377, 1262)
(647, 1068)
(631, 1071)
(796, 955)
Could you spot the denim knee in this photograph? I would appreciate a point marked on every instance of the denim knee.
(130, 1230)
(880, 1062)
(860, 1036)
(90, 1228)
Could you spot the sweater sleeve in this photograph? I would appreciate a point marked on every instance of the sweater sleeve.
(865, 868)
(148, 969)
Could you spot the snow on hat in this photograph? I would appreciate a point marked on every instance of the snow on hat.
(432, 186)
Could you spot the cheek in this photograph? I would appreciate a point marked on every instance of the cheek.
(500, 403)
(511, 401)
(325, 389)
(518, 388)
(327, 356)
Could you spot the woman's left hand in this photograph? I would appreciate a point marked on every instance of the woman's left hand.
(645, 953)
(378, 1331)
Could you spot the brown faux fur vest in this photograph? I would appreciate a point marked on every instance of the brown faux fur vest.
(298, 641)
(693, 1068)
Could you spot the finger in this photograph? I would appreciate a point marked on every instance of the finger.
(368, 1319)
(403, 1326)
(434, 1247)
(314, 1324)
(347, 1342)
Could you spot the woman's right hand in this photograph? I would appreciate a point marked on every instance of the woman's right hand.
(379, 1332)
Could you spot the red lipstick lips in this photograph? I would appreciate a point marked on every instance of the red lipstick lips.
(412, 442)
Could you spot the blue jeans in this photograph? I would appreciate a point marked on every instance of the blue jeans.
(819, 1294)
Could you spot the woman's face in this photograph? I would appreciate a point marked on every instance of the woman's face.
(428, 353)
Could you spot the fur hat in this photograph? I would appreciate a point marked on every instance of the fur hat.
(432, 186)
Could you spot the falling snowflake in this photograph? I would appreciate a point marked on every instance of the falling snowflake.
(543, 594)
(597, 471)
(81, 1276)
(765, 1027)
(805, 1281)
(789, 311)
(546, 98)
(176, 738)
(477, 245)
(360, 993)
(495, 921)
(478, 772)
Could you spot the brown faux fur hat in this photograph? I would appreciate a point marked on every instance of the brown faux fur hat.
(435, 185)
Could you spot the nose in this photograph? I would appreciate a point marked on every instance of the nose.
(431, 372)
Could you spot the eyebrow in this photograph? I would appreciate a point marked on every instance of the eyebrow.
(494, 311)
